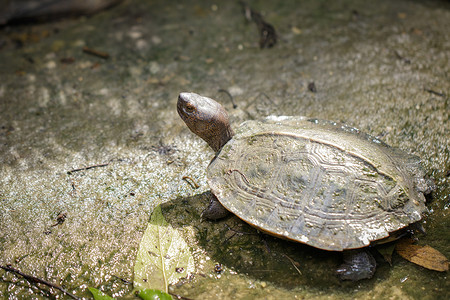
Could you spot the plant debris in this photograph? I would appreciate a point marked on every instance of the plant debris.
(33, 279)
(97, 53)
(191, 182)
(87, 168)
(424, 256)
(267, 33)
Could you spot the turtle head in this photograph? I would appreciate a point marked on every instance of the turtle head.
(206, 118)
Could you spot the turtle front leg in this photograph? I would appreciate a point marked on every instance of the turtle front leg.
(215, 210)
(358, 264)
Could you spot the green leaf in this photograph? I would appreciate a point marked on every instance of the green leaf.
(151, 294)
(99, 295)
(163, 257)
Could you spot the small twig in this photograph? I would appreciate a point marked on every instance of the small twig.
(263, 270)
(123, 280)
(17, 260)
(191, 182)
(67, 60)
(402, 58)
(87, 168)
(293, 262)
(33, 279)
(229, 238)
(94, 52)
(267, 97)
(434, 92)
(229, 95)
(236, 232)
(243, 176)
(74, 189)
(239, 232)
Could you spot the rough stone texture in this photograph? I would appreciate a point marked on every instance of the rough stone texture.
(381, 66)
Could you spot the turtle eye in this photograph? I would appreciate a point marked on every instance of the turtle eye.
(189, 108)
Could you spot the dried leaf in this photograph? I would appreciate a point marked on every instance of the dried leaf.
(424, 256)
(163, 257)
(386, 250)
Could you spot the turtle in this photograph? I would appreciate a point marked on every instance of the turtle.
(312, 181)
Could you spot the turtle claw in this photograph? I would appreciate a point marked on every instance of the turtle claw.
(358, 265)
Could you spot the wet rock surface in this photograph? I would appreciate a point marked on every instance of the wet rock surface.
(99, 139)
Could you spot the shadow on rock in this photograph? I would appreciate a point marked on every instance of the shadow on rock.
(234, 246)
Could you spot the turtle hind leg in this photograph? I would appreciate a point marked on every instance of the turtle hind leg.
(215, 210)
(358, 264)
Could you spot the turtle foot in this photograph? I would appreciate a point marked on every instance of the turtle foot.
(215, 210)
(358, 264)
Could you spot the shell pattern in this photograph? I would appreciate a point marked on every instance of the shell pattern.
(317, 182)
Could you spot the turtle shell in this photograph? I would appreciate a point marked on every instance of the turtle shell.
(317, 182)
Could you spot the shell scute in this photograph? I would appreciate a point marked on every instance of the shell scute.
(316, 182)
